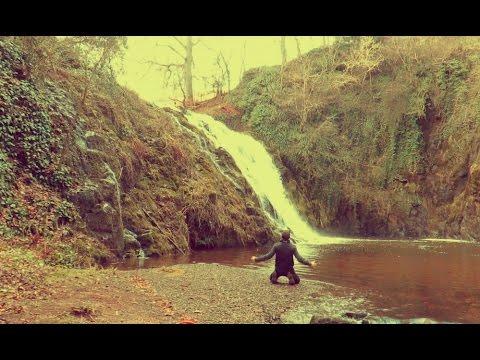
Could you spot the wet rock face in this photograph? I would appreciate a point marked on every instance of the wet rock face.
(101, 218)
(366, 221)
(87, 197)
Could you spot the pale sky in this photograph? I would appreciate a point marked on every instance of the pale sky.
(259, 51)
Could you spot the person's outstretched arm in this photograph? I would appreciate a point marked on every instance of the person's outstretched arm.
(301, 259)
(266, 256)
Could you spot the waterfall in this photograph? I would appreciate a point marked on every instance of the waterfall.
(259, 169)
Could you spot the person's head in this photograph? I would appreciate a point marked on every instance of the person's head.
(286, 235)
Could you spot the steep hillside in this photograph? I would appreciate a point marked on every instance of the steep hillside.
(82, 181)
(376, 136)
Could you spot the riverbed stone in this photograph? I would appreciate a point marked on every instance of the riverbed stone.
(356, 315)
(318, 319)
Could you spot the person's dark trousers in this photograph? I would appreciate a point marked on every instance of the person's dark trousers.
(292, 276)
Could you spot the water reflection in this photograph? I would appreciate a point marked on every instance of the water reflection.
(403, 279)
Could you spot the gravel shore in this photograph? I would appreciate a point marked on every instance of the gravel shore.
(215, 293)
(183, 293)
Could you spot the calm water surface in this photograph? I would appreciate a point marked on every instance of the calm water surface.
(402, 279)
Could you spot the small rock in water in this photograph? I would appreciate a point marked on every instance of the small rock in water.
(356, 315)
(316, 319)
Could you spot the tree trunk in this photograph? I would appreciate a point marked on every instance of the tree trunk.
(188, 70)
(283, 50)
(99, 64)
(227, 70)
(299, 52)
(242, 68)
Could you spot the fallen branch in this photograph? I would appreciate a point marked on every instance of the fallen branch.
(159, 228)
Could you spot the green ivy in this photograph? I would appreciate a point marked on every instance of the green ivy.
(257, 87)
(32, 120)
(6, 177)
(262, 112)
(451, 81)
(66, 211)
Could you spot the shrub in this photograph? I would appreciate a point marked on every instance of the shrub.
(258, 86)
(262, 112)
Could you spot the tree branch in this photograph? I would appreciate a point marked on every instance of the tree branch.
(180, 42)
(174, 50)
(154, 63)
(196, 42)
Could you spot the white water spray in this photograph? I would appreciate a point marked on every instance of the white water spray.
(258, 167)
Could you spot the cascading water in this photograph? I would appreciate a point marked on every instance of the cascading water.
(258, 167)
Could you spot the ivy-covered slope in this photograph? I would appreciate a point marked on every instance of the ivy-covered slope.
(81, 181)
(376, 136)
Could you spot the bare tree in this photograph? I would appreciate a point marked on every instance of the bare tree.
(221, 77)
(184, 78)
(223, 64)
(297, 41)
(283, 50)
(188, 46)
(365, 58)
(242, 67)
(102, 48)
(310, 86)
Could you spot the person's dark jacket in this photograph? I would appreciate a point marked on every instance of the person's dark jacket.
(284, 252)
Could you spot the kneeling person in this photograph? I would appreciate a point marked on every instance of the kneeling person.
(284, 252)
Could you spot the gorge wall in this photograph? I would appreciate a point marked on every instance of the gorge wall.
(376, 137)
(82, 180)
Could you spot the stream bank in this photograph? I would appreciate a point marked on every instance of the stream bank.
(186, 293)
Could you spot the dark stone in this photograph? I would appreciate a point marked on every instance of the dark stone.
(356, 315)
(381, 320)
(316, 319)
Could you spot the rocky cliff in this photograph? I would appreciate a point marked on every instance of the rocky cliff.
(82, 180)
(376, 136)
